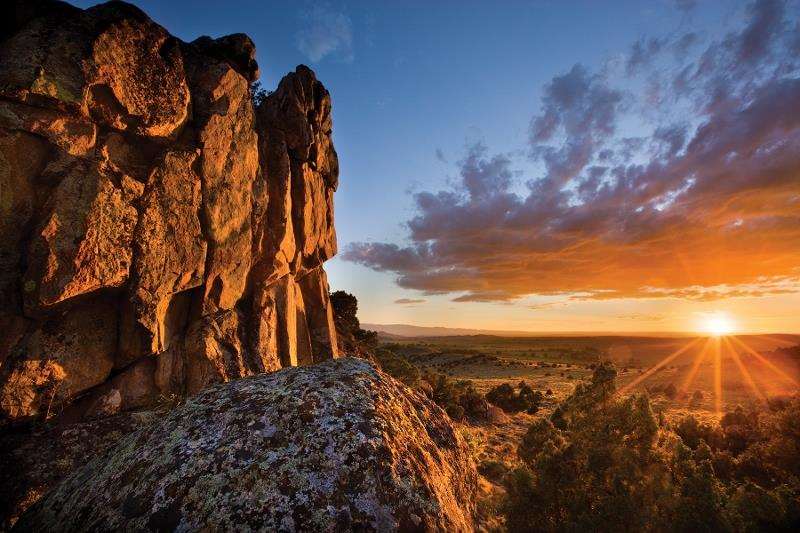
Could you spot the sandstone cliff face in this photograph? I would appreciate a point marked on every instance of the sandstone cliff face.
(157, 232)
(338, 446)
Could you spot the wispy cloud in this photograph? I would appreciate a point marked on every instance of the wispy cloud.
(547, 305)
(325, 32)
(643, 317)
(409, 301)
(702, 208)
(686, 5)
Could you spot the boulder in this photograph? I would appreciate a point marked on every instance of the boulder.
(337, 446)
(36, 459)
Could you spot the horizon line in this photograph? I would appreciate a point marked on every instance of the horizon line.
(608, 332)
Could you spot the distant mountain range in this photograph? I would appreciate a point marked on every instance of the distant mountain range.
(408, 330)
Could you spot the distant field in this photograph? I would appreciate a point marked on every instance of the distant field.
(652, 363)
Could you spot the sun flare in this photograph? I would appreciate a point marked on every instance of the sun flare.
(718, 324)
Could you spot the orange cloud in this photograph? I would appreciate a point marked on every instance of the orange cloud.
(409, 301)
(703, 209)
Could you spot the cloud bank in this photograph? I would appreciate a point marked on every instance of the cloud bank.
(704, 205)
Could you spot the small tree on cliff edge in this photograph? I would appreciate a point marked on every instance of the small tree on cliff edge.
(345, 307)
(345, 310)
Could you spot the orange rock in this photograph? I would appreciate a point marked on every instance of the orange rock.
(140, 186)
(83, 242)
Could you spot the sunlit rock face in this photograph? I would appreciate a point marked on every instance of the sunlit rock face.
(338, 446)
(158, 233)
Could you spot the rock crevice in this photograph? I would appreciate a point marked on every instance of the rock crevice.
(158, 232)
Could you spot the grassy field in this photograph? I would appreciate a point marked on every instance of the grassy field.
(751, 367)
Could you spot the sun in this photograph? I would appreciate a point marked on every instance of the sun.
(718, 324)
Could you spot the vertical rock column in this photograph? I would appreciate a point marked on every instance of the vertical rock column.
(157, 232)
(300, 172)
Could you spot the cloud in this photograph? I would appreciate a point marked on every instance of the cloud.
(547, 305)
(580, 108)
(684, 43)
(642, 53)
(643, 317)
(704, 205)
(326, 32)
(766, 21)
(485, 296)
(686, 5)
(409, 301)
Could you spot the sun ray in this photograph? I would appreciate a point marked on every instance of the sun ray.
(743, 370)
(766, 361)
(695, 368)
(774, 338)
(717, 377)
(653, 369)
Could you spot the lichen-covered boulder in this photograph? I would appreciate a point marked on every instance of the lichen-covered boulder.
(337, 446)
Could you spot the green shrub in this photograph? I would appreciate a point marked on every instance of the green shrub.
(506, 398)
(448, 394)
(455, 411)
(670, 391)
(603, 463)
(398, 367)
(696, 399)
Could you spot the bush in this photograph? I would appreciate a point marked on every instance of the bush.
(493, 470)
(352, 339)
(455, 411)
(345, 310)
(696, 399)
(506, 398)
(449, 394)
(670, 391)
(398, 367)
(258, 93)
(473, 402)
(603, 463)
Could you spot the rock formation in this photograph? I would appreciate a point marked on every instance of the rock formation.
(158, 233)
(34, 458)
(337, 446)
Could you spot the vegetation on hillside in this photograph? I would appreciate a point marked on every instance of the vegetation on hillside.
(604, 463)
(598, 460)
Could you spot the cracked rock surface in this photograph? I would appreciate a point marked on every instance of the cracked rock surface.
(158, 232)
(337, 446)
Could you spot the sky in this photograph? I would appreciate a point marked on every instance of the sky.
(551, 165)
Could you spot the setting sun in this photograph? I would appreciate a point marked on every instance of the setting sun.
(718, 325)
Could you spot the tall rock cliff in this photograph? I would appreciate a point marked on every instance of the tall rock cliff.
(158, 232)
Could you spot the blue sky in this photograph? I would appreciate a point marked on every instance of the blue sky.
(415, 85)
